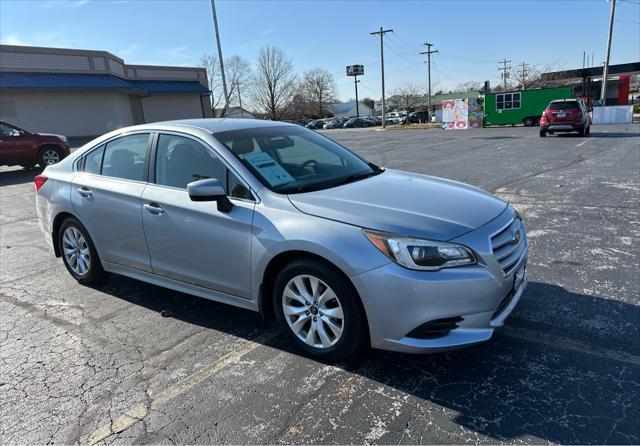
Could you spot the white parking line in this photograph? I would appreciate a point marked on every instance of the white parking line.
(139, 411)
(583, 142)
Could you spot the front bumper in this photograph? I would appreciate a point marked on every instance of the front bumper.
(398, 301)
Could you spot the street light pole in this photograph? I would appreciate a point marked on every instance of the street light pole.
(220, 59)
(381, 33)
(605, 71)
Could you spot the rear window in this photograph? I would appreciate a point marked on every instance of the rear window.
(564, 105)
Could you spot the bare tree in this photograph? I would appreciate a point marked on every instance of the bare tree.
(238, 71)
(468, 86)
(407, 96)
(534, 76)
(210, 63)
(274, 82)
(320, 90)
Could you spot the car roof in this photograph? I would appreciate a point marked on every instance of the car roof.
(212, 125)
(565, 100)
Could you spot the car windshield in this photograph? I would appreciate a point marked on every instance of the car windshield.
(292, 160)
(564, 105)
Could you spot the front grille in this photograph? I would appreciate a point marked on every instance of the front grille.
(436, 328)
(508, 245)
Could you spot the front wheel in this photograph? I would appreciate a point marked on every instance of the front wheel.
(529, 122)
(79, 254)
(318, 310)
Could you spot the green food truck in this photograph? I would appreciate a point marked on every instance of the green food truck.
(521, 107)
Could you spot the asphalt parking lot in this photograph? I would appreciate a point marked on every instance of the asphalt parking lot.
(83, 365)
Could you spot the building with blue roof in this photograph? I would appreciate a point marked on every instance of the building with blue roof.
(84, 93)
(348, 109)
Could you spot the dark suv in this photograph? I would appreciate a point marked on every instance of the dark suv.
(566, 115)
(19, 147)
(418, 117)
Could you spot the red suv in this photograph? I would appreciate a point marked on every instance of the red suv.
(17, 146)
(566, 115)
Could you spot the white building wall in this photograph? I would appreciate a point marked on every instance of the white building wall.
(68, 113)
(163, 107)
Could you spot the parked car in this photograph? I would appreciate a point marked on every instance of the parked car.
(316, 124)
(20, 147)
(373, 120)
(334, 123)
(273, 217)
(418, 117)
(566, 115)
(356, 122)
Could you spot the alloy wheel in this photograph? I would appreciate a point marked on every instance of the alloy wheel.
(76, 251)
(313, 311)
(50, 156)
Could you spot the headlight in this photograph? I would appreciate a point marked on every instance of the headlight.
(420, 254)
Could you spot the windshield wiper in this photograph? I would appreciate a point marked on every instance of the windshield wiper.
(355, 177)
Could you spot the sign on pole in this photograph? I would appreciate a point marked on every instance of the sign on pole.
(355, 70)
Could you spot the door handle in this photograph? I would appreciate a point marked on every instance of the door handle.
(85, 191)
(154, 208)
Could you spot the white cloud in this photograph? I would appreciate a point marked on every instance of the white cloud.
(65, 4)
(12, 40)
(128, 51)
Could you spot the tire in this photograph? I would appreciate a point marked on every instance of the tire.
(337, 343)
(543, 133)
(49, 155)
(588, 131)
(84, 248)
(529, 122)
(582, 131)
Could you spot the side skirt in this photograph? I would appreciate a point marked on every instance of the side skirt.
(183, 287)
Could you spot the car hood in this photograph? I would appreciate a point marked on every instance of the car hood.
(51, 134)
(406, 204)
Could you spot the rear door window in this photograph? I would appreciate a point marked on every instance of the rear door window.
(126, 157)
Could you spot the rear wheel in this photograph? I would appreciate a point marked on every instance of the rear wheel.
(79, 254)
(318, 310)
(49, 156)
(588, 131)
(543, 133)
(582, 131)
(529, 122)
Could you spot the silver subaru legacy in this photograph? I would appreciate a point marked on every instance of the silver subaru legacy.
(276, 218)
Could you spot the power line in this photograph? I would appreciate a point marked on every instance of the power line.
(381, 33)
(505, 71)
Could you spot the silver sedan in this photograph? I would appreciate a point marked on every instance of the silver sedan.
(279, 219)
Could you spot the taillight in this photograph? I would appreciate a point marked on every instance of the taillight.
(39, 181)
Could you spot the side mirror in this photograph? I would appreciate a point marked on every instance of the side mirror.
(209, 189)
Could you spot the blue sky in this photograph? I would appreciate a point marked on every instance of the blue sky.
(471, 36)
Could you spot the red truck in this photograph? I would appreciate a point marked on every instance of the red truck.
(20, 147)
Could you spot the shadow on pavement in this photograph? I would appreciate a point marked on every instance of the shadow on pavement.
(505, 389)
(19, 176)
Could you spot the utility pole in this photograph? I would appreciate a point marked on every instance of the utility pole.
(584, 56)
(224, 81)
(505, 72)
(381, 33)
(524, 74)
(605, 71)
(429, 52)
